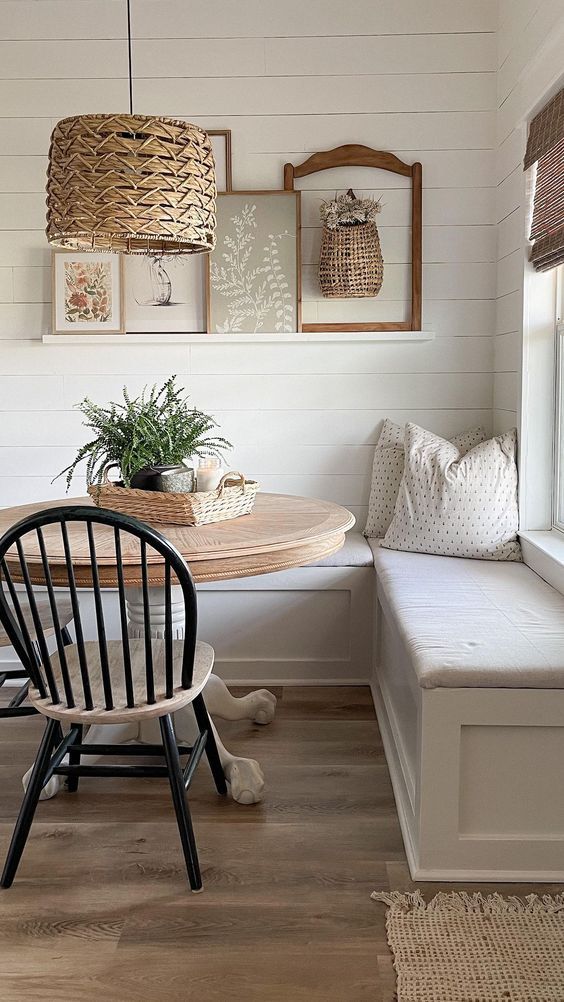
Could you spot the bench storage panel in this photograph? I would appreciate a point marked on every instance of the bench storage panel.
(311, 625)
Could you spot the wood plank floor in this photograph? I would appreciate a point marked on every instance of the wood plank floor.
(100, 909)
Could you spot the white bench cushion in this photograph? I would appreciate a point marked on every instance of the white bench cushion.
(355, 552)
(474, 622)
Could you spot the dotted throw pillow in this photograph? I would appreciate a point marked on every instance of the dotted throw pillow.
(387, 471)
(457, 505)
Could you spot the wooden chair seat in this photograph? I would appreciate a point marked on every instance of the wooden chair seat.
(203, 664)
(64, 609)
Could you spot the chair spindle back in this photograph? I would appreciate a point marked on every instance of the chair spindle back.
(119, 550)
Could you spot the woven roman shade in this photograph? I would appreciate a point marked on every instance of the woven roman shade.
(547, 228)
(545, 146)
(546, 129)
(131, 183)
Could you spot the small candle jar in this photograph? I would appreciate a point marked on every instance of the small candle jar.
(208, 474)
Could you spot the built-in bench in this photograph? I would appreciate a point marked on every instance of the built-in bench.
(469, 690)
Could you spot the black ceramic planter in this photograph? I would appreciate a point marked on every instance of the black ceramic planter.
(148, 478)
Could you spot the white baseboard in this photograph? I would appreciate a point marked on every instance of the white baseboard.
(489, 876)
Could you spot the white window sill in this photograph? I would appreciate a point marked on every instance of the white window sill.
(335, 336)
(543, 552)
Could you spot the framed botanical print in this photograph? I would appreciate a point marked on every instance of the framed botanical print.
(253, 275)
(87, 293)
(166, 294)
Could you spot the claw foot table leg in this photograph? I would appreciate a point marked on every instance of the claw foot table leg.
(244, 775)
(50, 789)
(259, 706)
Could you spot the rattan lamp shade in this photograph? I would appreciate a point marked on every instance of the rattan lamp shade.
(131, 183)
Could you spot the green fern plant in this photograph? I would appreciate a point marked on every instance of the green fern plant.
(158, 428)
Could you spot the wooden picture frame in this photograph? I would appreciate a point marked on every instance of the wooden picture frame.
(226, 133)
(354, 155)
(83, 263)
(297, 299)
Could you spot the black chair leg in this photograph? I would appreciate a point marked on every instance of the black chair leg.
(20, 696)
(74, 759)
(205, 724)
(15, 707)
(181, 808)
(67, 639)
(27, 810)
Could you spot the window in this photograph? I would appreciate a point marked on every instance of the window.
(558, 500)
(543, 357)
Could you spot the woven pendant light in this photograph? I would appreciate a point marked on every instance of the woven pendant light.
(131, 183)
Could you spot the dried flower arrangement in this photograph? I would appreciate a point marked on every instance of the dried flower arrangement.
(350, 257)
(348, 210)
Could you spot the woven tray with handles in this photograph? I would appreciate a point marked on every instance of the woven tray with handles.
(233, 497)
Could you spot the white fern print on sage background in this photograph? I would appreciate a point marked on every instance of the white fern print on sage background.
(253, 270)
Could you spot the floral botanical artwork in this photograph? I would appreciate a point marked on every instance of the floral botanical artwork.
(87, 293)
(254, 269)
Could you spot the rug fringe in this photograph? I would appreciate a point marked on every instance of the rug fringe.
(461, 901)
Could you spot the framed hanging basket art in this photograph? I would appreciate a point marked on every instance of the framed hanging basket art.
(350, 258)
(351, 264)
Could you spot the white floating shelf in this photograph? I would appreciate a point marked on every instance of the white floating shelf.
(356, 336)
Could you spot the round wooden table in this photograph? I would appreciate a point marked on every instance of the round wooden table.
(282, 531)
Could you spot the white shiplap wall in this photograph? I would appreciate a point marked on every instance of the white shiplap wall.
(530, 47)
(288, 79)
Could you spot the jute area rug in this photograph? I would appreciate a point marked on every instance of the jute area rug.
(471, 948)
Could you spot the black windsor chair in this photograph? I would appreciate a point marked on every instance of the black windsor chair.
(105, 681)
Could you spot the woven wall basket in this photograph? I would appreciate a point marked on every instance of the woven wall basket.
(350, 263)
(235, 496)
(131, 183)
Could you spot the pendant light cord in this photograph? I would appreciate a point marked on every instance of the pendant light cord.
(129, 59)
